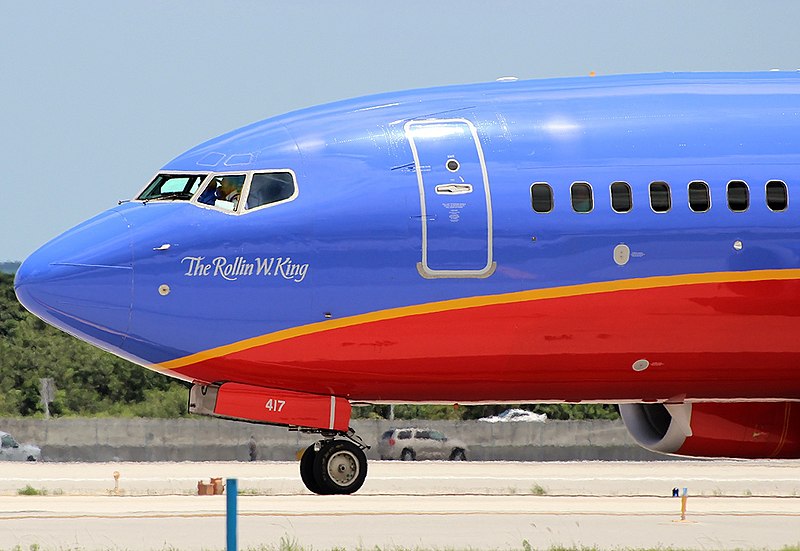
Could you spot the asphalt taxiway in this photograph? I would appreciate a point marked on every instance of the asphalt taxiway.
(491, 505)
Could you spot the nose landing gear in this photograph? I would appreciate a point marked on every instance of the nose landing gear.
(334, 466)
(329, 466)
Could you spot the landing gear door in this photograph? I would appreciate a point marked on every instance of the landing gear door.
(455, 203)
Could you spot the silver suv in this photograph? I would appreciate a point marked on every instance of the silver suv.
(409, 444)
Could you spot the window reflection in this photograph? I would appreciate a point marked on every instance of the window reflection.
(268, 188)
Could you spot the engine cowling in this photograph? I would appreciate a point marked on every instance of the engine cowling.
(751, 430)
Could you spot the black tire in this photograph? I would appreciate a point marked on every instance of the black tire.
(307, 470)
(31, 458)
(458, 455)
(408, 455)
(340, 467)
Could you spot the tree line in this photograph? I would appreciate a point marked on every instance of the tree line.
(92, 382)
(88, 381)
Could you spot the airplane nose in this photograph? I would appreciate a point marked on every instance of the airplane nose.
(82, 281)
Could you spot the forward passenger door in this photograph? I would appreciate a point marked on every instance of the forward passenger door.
(455, 201)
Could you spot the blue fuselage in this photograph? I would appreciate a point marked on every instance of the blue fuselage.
(162, 280)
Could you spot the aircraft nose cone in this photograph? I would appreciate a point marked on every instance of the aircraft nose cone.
(81, 281)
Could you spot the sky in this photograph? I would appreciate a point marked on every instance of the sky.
(96, 96)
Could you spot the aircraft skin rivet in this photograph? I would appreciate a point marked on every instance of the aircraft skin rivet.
(640, 365)
(163, 290)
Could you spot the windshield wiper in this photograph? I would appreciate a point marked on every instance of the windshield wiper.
(171, 196)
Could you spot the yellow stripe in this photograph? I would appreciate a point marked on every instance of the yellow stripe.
(487, 300)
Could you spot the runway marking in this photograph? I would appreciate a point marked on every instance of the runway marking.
(594, 478)
(399, 513)
(455, 477)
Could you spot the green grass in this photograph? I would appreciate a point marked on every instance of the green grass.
(31, 491)
(536, 490)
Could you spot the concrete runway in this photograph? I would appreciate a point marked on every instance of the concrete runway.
(440, 505)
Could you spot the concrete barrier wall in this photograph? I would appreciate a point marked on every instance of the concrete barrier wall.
(206, 439)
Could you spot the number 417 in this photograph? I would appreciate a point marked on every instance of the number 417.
(275, 405)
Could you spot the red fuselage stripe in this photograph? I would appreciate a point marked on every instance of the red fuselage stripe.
(701, 339)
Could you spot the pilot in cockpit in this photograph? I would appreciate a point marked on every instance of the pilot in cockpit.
(209, 194)
(229, 190)
(222, 188)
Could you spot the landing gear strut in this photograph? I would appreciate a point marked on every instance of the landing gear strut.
(334, 466)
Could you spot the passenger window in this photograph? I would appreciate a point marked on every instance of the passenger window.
(660, 199)
(404, 435)
(738, 196)
(436, 435)
(621, 197)
(424, 434)
(268, 188)
(541, 197)
(582, 200)
(699, 196)
(777, 196)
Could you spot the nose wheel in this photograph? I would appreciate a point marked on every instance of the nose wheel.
(333, 467)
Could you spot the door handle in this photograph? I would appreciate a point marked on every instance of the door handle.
(453, 189)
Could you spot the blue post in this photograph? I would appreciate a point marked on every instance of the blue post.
(233, 490)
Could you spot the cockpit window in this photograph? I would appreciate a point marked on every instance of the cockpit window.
(172, 187)
(231, 192)
(223, 191)
(268, 188)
